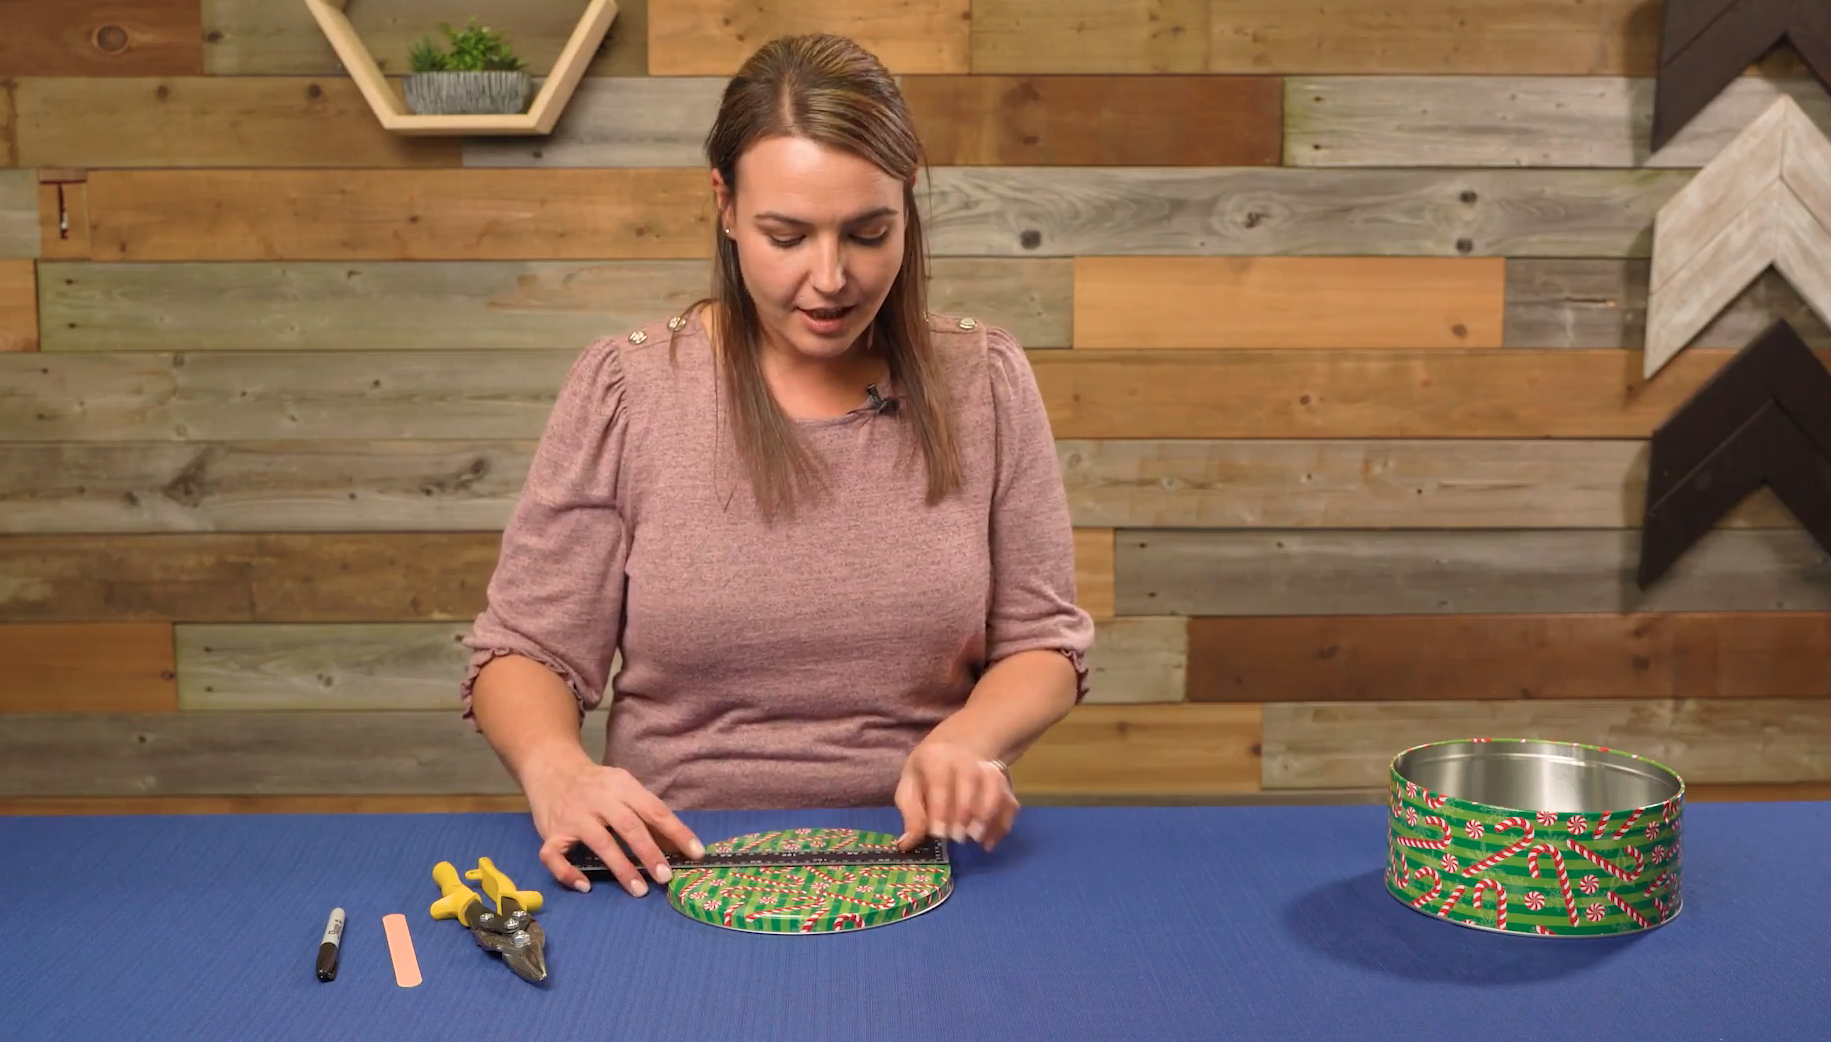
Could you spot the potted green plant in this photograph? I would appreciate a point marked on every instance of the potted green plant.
(478, 75)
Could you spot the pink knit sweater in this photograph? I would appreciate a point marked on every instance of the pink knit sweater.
(794, 666)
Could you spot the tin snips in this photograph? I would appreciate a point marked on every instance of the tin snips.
(509, 929)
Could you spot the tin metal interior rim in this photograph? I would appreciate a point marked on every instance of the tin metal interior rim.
(1538, 775)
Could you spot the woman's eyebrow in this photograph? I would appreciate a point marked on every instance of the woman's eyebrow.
(868, 215)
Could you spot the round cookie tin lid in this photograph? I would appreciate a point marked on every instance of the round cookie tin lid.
(802, 899)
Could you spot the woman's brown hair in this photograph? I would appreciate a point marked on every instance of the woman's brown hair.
(829, 90)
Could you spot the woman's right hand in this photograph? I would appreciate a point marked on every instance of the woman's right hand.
(583, 801)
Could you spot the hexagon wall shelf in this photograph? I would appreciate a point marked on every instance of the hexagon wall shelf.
(554, 92)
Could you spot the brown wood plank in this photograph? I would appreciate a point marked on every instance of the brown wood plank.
(1440, 483)
(399, 214)
(1443, 37)
(1145, 120)
(617, 121)
(201, 121)
(1093, 567)
(1142, 749)
(1067, 211)
(314, 577)
(9, 124)
(78, 38)
(715, 37)
(1603, 303)
(108, 667)
(261, 486)
(19, 231)
(277, 37)
(1288, 302)
(1362, 394)
(468, 305)
(1336, 744)
(382, 752)
(494, 395)
(1470, 657)
(1428, 572)
(18, 305)
(1090, 36)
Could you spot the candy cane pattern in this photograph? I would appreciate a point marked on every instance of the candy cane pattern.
(1557, 860)
(1431, 844)
(1436, 884)
(1616, 900)
(1607, 866)
(1506, 852)
(1628, 824)
(1500, 899)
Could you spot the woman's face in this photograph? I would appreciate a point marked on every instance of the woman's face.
(819, 237)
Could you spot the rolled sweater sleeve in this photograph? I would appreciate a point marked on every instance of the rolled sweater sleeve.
(556, 595)
(1032, 536)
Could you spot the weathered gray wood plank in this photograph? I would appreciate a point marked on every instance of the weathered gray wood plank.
(325, 666)
(1603, 304)
(267, 37)
(1443, 484)
(1513, 121)
(220, 396)
(375, 752)
(416, 665)
(1068, 211)
(1392, 572)
(19, 235)
(322, 666)
(453, 485)
(1345, 744)
(261, 486)
(1139, 659)
(617, 121)
(456, 305)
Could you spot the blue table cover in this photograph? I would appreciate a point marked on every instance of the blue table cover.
(1097, 923)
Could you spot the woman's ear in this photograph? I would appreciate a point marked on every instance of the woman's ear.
(721, 200)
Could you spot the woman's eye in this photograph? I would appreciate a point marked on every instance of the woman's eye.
(874, 240)
(784, 243)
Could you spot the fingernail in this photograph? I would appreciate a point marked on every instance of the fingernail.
(935, 830)
(976, 830)
(661, 872)
(698, 849)
(959, 833)
(637, 888)
(583, 886)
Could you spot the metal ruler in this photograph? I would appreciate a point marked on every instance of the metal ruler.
(930, 851)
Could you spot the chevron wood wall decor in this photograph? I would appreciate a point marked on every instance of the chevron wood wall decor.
(1764, 201)
(1706, 44)
(1763, 419)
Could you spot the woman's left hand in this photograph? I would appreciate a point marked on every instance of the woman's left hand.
(949, 790)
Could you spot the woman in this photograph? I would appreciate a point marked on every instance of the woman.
(825, 527)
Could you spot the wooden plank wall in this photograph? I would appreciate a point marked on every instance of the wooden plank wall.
(1337, 309)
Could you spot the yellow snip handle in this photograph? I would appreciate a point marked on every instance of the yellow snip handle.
(457, 897)
(498, 886)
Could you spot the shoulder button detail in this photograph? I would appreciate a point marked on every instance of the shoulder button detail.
(967, 323)
(676, 322)
(638, 337)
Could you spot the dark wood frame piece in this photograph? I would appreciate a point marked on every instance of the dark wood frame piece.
(1705, 44)
(1763, 419)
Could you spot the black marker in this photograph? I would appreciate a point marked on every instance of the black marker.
(327, 948)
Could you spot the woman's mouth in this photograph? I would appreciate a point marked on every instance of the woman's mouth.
(826, 320)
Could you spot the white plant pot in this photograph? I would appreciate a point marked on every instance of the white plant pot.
(491, 92)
